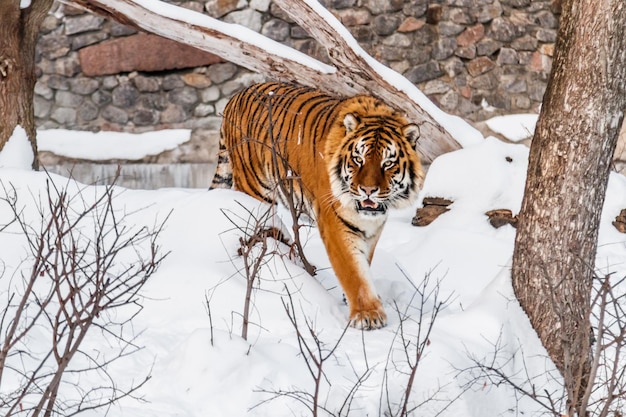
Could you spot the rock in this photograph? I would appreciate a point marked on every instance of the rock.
(501, 217)
(502, 30)
(67, 99)
(517, 3)
(88, 111)
(82, 23)
(83, 85)
(125, 96)
(219, 73)
(276, 29)
(58, 82)
(202, 110)
(487, 47)
(153, 101)
(261, 5)
(118, 30)
(64, 116)
(109, 83)
(507, 56)
(42, 107)
(435, 87)
(171, 82)
(443, 48)
(415, 8)
(411, 24)
(186, 97)
(115, 115)
(450, 29)
(525, 43)
(210, 94)
(455, 68)
(54, 46)
(488, 12)
(50, 23)
(546, 35)
(460, 16)
(434, 14)
(433, 207)
(467, 52)
(385, 24)
(355, 17)
(449, 100)
(620, 221)
(141, 52)
(479, 66)
(471, 35)
(146, 84)
(219, 8)
(377, 7)
(547, 49)
(296, 32)
(42, 89)
(487, 81)
(80, 41)
(68, 66)
(196, 80)
(398, 40)
(146, 117)
(546, 20)
(173, 114)
(540, 63)
(249, 18)
(424, 72)
(513, 84)
(101, 98)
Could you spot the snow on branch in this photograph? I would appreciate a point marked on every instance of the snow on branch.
(353, 70)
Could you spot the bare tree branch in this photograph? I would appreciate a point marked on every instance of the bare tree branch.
(355, 72)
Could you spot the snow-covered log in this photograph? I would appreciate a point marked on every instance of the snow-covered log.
(353, 72)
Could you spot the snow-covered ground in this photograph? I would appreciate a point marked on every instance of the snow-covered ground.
(199, 364)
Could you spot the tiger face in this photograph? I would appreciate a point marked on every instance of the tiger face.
(376, 167)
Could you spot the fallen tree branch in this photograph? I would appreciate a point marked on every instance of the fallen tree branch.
(355, 72)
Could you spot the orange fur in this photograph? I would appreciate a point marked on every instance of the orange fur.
(355, 159)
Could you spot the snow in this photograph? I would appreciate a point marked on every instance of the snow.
(514, 127)
(202, 367)
(17, 152)
(107, 146)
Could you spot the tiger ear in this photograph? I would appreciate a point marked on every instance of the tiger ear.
(350, 122)
(412, 133)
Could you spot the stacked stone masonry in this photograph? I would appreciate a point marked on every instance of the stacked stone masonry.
(473, 58)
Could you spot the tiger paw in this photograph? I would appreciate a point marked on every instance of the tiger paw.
(369, 319)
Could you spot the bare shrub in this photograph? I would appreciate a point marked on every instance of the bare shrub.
(605, 389)
(408, 348)
(86, 268)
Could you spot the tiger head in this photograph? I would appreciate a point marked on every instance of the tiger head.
(374, 165)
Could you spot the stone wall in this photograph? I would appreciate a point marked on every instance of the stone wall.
(474, 58)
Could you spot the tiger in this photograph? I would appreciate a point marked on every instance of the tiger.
(355, 159)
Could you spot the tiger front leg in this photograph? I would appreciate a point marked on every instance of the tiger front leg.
(349, 255)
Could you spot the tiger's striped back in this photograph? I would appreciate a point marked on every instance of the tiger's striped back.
(347, 161)
(262, 118)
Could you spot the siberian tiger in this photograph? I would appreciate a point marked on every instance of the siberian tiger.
(355, 159)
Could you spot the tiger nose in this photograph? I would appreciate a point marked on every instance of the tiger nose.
(368, 190)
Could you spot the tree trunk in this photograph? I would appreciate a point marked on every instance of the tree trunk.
(18, 37)
(570, 158)
(355, 72)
